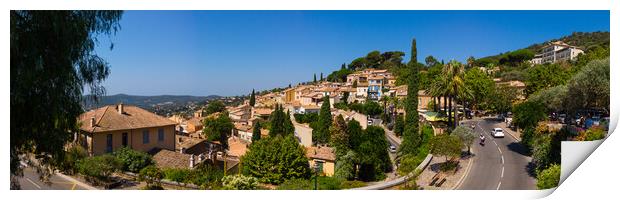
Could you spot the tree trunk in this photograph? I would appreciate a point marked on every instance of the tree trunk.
(456, 109)
(435, 104)
(449, 110)
(445, 104)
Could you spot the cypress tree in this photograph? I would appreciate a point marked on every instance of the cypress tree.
(289, 128)
(343, 66)
(314, 78)
(411, 135)
(320, 135)
(321, 76)
(256, 132)
(252, 99)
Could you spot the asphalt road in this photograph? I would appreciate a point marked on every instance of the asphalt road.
(30, 181)
(499, 164)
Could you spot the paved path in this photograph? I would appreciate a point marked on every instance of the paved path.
(30, 181)
(500, 164)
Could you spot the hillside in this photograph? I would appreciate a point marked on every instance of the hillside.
(585, 40)
(147, 101)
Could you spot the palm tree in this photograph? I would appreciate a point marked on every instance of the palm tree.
(454, 73)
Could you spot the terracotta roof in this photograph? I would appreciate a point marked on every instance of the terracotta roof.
(323, 153)
(236, 147)
(196, 121)
(170, 159)
(311, 107)
(263, 111)
(108, 118)
(243, 127)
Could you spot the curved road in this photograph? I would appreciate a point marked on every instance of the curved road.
(501, 164)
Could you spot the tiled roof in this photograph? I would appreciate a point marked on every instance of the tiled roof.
(263, 111)
(170, 159)
(323, 153)
(108, 118)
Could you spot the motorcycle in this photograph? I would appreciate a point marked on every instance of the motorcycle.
(482, 140)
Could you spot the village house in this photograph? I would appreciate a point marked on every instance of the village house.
(323, 158)
(106, 129)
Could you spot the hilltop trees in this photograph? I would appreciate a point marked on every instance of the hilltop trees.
(252, 98)
(52, 60)
(320, 135)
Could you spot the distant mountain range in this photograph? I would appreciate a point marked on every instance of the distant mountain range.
(146, 101)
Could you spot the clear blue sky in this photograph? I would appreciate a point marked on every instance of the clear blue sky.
(231, 52)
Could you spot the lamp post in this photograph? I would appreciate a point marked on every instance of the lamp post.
(316, 175)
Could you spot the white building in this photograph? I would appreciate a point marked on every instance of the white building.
(556, 52)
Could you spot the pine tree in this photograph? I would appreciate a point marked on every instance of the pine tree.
(256, 132)
(314, 78)
(252, 99)
(343, 66)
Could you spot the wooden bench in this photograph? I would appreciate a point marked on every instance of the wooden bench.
(441, 182)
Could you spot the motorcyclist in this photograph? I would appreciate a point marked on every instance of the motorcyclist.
(481, 139)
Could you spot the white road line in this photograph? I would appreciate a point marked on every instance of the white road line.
(502, 171)
(496, 144)
(502, 163)
(500, 150)
(28, 179)
(498, 185)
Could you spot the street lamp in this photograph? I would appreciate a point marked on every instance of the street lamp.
(316, 175)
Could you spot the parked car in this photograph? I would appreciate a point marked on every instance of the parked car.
(497, 132)
(392, 149)
(369, 121)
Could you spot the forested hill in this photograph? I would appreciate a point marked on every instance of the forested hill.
(146, 101)
(585, 40)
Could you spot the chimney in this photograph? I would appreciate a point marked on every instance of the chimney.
(92, 122)
(191, 161)
(120, 108)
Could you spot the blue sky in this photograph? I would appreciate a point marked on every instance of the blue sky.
(230, 52)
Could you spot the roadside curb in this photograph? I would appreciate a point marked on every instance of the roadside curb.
(81, 184)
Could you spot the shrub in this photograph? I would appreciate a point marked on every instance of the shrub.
(352, 184)
(178, 175)
(594, 133)
(152, 176)
(99, 168)
(132, 160)
(324, 183)
(207, 176)
(72, 156)
(306, 118)
(548, 178)
(276, 159)
(239, 182)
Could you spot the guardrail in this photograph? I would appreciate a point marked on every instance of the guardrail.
(399, 180)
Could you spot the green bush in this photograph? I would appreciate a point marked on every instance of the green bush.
(276, 159)
(132, 160)
(324, 183)
(72, 156)
(548, 178)
(151, 175)
(306, 118)
(239, 182)
(99, 168)
(352, 184)
(178, 175)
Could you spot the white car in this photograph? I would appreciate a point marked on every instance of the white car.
(497, 132)
(392, 149)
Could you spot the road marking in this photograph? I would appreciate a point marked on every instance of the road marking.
(28, 179)
(498, 185)
(502, 161)
(74, 184)
(496, 144)
(500, 150)
(502, 171)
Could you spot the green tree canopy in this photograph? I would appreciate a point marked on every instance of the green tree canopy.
(446, 145)
(548, 178)
(552, 98)
(252, 98)
(52, 60)
(276, 159)
(320, 135)
(256, 132)
(480, 85)
(528, 114)
(280, 122)
(590, 88)
(213, 107)
(339, 136)
(540, 77)
(466, 135)
(411, 135)
(217, 129)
